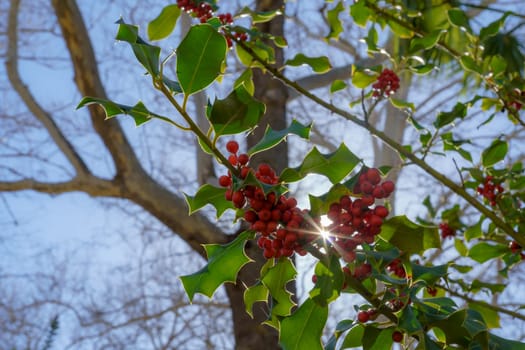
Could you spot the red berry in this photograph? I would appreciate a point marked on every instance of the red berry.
(381, 211)
(232, 159)
(373, 176)
(388, 187)
(397, 337)
(232, 146)
(225, 181)
(243, 159)
(238, 199)
(250, 216)
(363, 316)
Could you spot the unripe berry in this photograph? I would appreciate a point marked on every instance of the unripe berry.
(232, 146)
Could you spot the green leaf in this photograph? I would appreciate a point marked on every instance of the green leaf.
(260, 16)
(429, 274)
(377, 338)
(335, 166)
(408, 236)
(494, 153)
(332, 16)
(337, 85)
(473, 231)
(493, 28)
(400, 104)
(256, 293)
(209, 194)
(409, 322)
(354, 338)
(460, 247)
(238, 112)
(329, 282)
(319, 205)
(148, 55)
(200, 58)
(360, 13)
(484, 251)
(400, 30)
(469, 64)
(458, 18)
(272, 137)
(501, 343)
(224, 263)
(446, 118)
(245, 80)
(361, 78)
(138, 112)
(318, 64)
(426, 42)
(265, 52)
(164, 23)
(490, 316)
(275, 279)
(303, 330)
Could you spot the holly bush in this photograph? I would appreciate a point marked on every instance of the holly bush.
(359, 246)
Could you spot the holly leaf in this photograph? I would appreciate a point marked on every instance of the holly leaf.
(138, 112)
(209, 194)
(224, 263)
(354, 338)
(329, 282)
(377, 338)
(164, 23)
(256, 293)
(318, 64)
(484, 251)
(303, 330)
(494, 153)
(332, 16)
(148, 55)
(408, 236)
(260, 16)
(272, 137)
(335, 166)
(200, 58)
(275, 279)
(236, 113)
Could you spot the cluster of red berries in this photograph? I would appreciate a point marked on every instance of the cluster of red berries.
(204, 12)
(396, 267)
(280, 224)
(354, 221)
(446, 230)
(490, 190)
(387, 84)
(200, 9)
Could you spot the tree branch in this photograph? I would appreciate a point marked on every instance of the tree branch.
(38, 112)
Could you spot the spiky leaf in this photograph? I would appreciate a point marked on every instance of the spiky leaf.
(224, 263)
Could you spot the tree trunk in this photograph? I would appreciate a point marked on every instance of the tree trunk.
(249, 333)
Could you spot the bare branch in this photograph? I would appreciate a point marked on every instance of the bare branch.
(14, 77)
